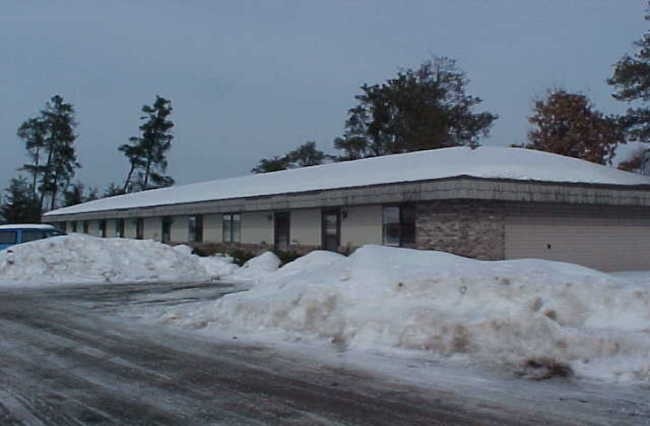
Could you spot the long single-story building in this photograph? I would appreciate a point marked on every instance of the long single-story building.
(486, 203)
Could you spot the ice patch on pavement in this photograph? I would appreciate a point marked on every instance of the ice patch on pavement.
(520, 314)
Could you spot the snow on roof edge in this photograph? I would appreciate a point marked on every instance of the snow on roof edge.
(497, 163)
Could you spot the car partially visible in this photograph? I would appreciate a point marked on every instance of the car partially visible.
(22, 233)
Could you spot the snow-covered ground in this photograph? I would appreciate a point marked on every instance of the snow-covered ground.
(79, 258)
(535, 317)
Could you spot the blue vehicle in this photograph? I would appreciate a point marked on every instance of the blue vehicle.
(21, 233)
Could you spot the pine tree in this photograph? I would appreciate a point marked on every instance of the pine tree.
(425, 108)
(112, 190)
(304, 156)
(147, 153)
(19, 205)
(631, 82)
(33, 133)
(568, 124)
(76, 193)
(49, 140)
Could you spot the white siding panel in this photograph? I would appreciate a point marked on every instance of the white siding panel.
(93, 228)
(601, 243)
(212, 228)
(362, 226)
(179, 229)
(152, 228)
(256, 228)
(306, 227)
(130, 228)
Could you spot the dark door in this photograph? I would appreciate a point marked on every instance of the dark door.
(331, 229)
(282, 225)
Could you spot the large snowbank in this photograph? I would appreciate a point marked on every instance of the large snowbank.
(82, 259)
(506, 312)
(79, 258)
(483, 162)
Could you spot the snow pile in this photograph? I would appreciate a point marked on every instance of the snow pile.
(525, 314)
(256, 268)
(483, 162)
(81, 259)
(218, 266)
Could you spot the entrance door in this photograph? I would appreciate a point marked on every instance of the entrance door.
(282, 226)
(331, 229)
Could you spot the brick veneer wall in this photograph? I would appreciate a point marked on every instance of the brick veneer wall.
(467, 228)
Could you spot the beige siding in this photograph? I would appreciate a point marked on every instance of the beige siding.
(93, 228)
(152, 228)
(256, 228)
(602, 243)
(110, 228)
(362, 226)
(130, 228)
(306, 227)
(179, 229)
(212, 228)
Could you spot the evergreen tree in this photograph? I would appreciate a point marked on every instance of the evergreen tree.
(50, 140)
(568, 124)
(304, 156)
(112, 190)
(425, 108)
(147, 153)
(33, 133)
(273, 164)
(631, 83)
(76, 193)
(19, 204)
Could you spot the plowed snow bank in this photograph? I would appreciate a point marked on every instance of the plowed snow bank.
(507, 312)
(80, 258)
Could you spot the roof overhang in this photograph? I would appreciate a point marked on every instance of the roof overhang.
(455, 188)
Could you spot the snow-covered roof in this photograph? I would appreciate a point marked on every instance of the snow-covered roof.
(484, 162)
(26, 226)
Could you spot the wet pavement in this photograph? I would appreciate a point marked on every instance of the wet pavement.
(66, 359)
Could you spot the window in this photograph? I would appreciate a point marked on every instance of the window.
(166, 229)
(86, 226)
(399, 225)
(63, 226)
(139, 228)
(33, 235)
(73, 226)
(102, 228)
(231, 228)
(119, 228)
(8, 237)
(195, 224)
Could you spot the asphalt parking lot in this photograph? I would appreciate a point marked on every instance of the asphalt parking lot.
(66, 360)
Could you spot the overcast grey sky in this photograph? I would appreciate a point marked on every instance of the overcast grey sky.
(251, 79)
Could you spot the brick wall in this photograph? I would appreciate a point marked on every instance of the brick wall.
(467, 228)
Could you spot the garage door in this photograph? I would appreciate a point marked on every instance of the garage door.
(608, 244)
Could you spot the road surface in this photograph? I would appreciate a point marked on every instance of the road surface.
(66, 360)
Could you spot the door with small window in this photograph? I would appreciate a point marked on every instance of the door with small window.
(282, 226)
(166, 229)
(331, 229)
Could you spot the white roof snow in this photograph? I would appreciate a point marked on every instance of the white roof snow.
(483, 162)
(27, 226)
